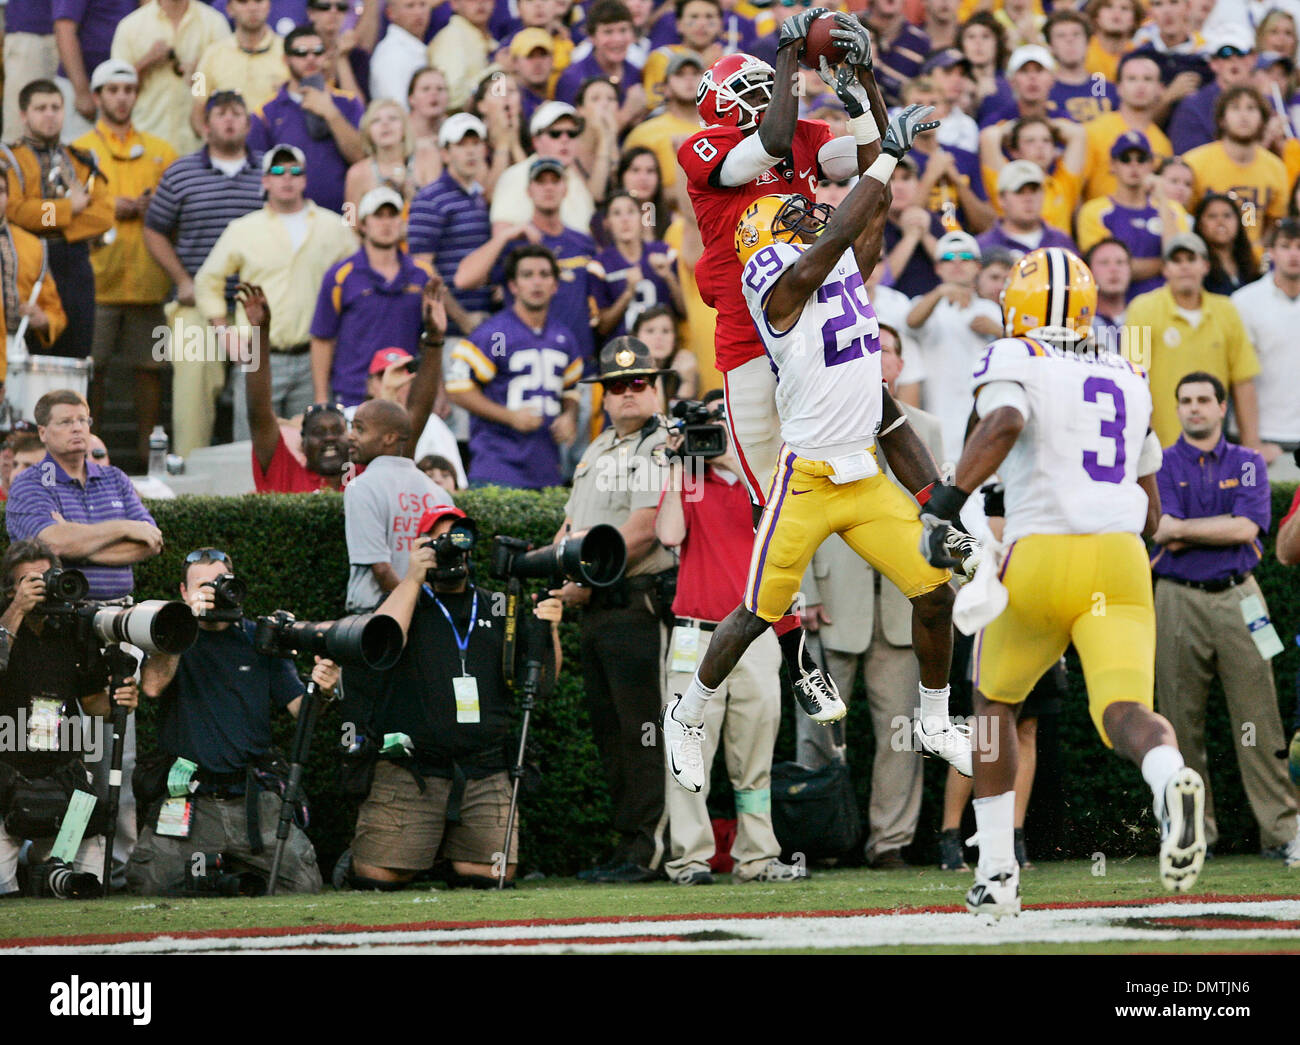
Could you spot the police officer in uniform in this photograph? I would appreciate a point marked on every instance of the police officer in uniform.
(618, 481)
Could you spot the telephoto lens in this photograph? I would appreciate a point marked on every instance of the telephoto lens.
(58, 879)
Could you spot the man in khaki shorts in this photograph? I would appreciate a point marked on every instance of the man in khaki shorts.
(440, 717)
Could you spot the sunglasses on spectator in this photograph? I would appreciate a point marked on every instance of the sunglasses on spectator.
(304, 52)
(552, 133)
(957, 255)
(212, 554)
(635, 384)
(280, 168)
(1135, 157)
(1228, 51)
(98, 453)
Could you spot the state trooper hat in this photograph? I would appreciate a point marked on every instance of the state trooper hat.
(625, 357)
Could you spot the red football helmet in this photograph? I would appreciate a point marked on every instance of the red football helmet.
(735, 92)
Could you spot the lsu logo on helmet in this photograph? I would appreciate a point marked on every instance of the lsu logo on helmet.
(1050, 294)
(777, 218)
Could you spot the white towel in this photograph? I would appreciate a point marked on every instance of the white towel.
(980, 601)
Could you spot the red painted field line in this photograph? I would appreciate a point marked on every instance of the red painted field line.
(352, 927)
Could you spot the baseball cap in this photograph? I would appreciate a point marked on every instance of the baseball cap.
(1019, 173)
(454, 128)
(431, 517)
(956, 243)
(382, 196)
(113, 71)
(548, 112)
(278, 150)
(1229, 39)
(1130, 141)
(526, 41)
(1185, 241)
(386, 357)
(1030, 53)
(543, 164)
(682, 58)
(224, 98)
(946, 59)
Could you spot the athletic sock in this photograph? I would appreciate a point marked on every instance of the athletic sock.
(994, 821)
(1158, 765)
(691, 710)
(934, 709)
(794, 651)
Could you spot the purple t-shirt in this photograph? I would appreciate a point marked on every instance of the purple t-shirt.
(1137, 228)
(997, 238)
(651, 289)
(1198, 484)
(96, 23)
(284, 120)
(1079, 102)
(566, 87)
(530, 368)
(107, 495)
(1193, 121)
(572, 304)
(28, 16)
(363, 312)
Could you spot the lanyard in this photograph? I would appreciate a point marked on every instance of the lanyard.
(461, 644)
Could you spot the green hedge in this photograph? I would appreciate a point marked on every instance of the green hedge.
(291, 551)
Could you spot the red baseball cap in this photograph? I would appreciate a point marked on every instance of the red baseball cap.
(386, 357)
(431, 517)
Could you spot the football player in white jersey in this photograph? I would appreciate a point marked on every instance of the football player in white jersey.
(810, 307)
(1067, 427)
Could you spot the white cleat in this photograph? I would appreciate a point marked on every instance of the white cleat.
(683, 748)
(952, 745)
(1182, 831)
(995, 895)
(816, 693)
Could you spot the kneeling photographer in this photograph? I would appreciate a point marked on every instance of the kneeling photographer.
(49, 676)
(440, 725)
(215, 787)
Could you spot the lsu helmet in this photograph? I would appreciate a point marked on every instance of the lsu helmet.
(735, 91)
(771, 219)
(1050, 294)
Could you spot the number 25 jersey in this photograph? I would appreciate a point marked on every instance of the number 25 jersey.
(1074, 467)
(828, 391)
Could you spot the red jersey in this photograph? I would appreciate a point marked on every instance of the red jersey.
(285, 473)
(718, 210)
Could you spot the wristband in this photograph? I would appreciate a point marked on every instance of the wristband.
(923, 494)
(864, 129)
(945, 502)
(883, 169)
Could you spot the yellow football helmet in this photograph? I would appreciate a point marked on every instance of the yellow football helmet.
(1050, 294)
(777, 218)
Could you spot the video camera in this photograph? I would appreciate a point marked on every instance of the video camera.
(594, 557)
(370, 640)
(701, 426)
(155, 626)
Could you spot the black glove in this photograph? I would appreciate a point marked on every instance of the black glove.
(995, 505)
(903, 127)
(855, 38)
(795, 28)
(937, 518)
(844, 82)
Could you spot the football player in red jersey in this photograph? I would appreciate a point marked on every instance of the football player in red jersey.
(754, 145)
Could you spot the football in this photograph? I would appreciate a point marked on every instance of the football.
(820, 42)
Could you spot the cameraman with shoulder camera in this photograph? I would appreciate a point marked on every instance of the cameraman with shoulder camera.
(46, 680)
(214, 787)
(441, 786)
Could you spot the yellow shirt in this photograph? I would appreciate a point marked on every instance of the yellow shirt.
(1061, 190)
(1102, 132)
(1218, 344)
(1099, 60)
(165, 100)
(658, 133)
(257, 75)
(125, 272)
(1260, 185)
(695, 332)
(258, 248)
(462, 52)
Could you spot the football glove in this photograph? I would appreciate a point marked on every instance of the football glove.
(855, 38)
(795, 28)
(937, 517)
(995, 505)
(903, 127)
(844, 82)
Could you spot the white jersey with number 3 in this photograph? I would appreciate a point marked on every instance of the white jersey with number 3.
(828, 391)
(1074, 468)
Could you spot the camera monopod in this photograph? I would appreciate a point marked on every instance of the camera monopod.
(537, 644)
(121, 668)
(307, 712)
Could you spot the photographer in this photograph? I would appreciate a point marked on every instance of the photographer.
(441, 789)
(214, 787)
(46, 681)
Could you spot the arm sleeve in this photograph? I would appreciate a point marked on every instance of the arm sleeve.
(1091, 229)
(132, 507)
(329, 306)
(365, 524)
(163, 214)
(425, 227)
(745, 162)
(470, 365)
(1170, 502)
(52, 305)
(997, 394)
(1152, 456)
(286, 686)
(28, 510)
(838, 158)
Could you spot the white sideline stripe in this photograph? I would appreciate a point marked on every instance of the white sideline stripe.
(1079, 925)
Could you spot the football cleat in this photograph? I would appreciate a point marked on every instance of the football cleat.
(995, 895)
(1182, 831)
(952, 745)
(775, 871)
(683, 748)
(967, 551)
(817, 693)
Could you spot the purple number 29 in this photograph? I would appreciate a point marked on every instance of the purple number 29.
(1112, 429)
(853, 311)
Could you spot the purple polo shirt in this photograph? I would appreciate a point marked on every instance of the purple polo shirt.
(283, 120)
(572, 304)
(566, 87)
(1078, 102)
(1198, 484)
(651, 290)
(96, 23)
(29, 16)
(899, 62)
(363, 312)
(1193, 121)
(451, 222)
(106, 495)
(1134, 228)
(530, 369)
(997, 237)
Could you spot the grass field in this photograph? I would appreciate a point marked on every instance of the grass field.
(1068, 883)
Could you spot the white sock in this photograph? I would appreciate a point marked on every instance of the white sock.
(995, 822)
(1158, 765)
(691, 709)
(934, 709)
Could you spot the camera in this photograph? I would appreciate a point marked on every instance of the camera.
(64, 589)
(57, 879)
(228, 595)
(208, 876)
(370, 640)
(156, 625)
(703, 436)
(594, 557)
(452, 551)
